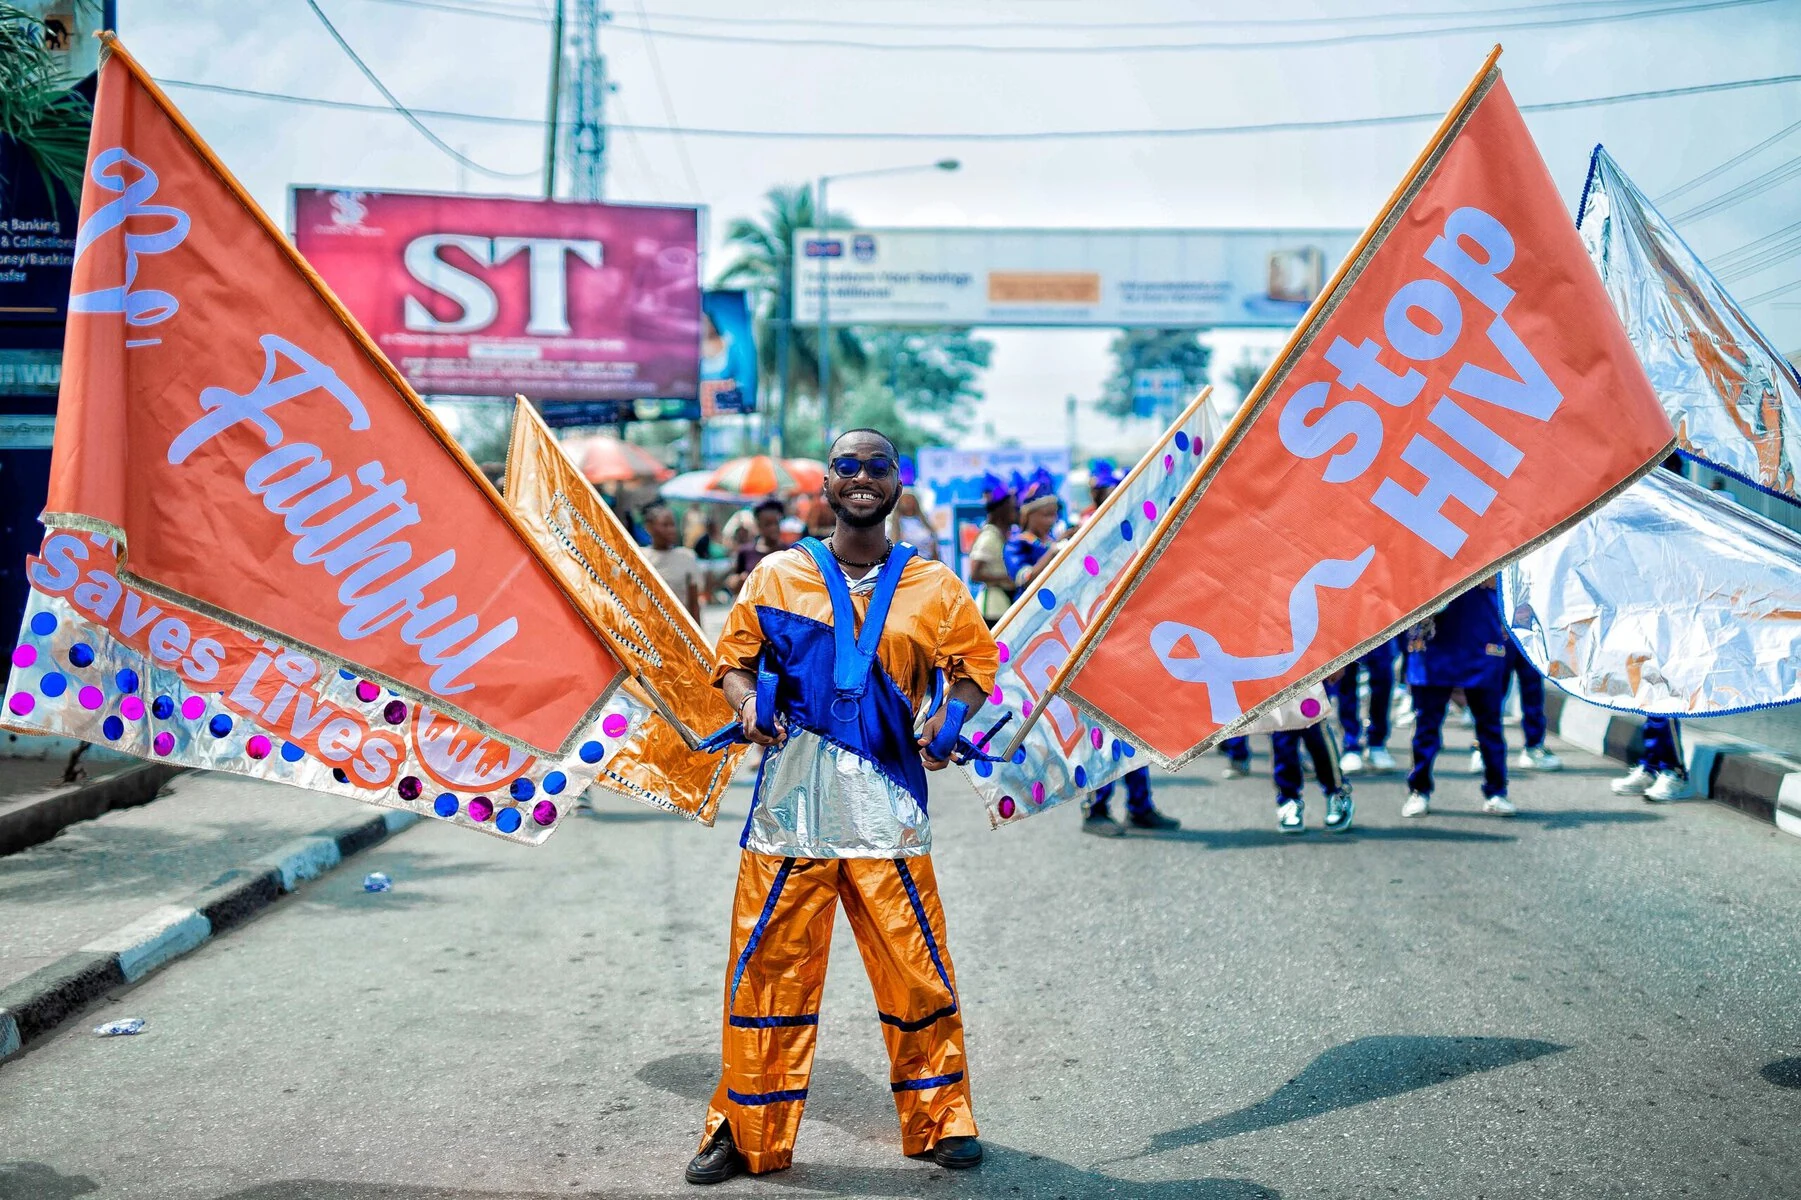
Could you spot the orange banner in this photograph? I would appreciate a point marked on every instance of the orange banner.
(1461, 392)
(258, 460)
(657, 638)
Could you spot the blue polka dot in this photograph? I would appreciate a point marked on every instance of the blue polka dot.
(337, 773)
(591, 752)
(523, 789)
(53, 684)
(445, 805)
(343, 674)
(113, 728)
(984, 768)
(507, 820)
(1081, 777)
(127, 680)
(220, 725)
(1118, 751)
(1019, 757)
(43, 624)
(291, 752)
(81, 655)
(162, 708)
(1125, 530)
(1047, 600)
(554, 783)
(1126, 747)
(1181, 439)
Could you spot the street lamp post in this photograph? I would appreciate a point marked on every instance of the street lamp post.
(824, 216)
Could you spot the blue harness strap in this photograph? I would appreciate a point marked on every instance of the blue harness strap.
(854, 649)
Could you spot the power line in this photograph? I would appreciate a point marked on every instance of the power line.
(524, 15)
(402, 109)
(1784, 290)
(1044, 135)
(1751, 187)
(1072, 26)
(1735, 258)
(1779, 253)
(681, 146)
(1341, 39)
(1726, 166)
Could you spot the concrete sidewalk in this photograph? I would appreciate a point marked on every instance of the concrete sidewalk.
(109, 899)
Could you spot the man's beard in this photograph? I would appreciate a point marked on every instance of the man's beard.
(869, 522)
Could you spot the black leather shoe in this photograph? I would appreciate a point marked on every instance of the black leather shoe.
(720, 1161)
(957, 1153)
(1153, 820)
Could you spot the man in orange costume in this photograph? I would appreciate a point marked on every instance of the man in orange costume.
(842, 639)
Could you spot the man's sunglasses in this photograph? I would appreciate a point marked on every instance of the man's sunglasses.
(879, 466)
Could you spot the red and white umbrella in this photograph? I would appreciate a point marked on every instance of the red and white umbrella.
(809, 474)
(758, 475)
(604, 459)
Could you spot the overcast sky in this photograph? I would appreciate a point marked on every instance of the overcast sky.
(436, 59)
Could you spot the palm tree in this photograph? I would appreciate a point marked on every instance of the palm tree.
(763, 265)
(37, 110)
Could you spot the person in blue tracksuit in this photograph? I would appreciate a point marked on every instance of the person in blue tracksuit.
(1371, 754)
(1285, 770)
(1659, 774)
(1463, 646)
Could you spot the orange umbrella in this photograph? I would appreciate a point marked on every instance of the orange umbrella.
(809, 474)
(604, 459)
(758, 475)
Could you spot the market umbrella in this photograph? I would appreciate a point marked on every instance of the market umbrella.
(604, 459)
(758, 475)
(692, 485)
(809, 474)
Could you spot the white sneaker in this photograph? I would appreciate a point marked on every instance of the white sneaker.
(1537, 758)
(1351, 763)
(1380, 759)
(1499, 806)
(1234, 771)
(1670, 785)
(1288, 817)
(1635, 783)
(1417, 805)
(1476, 761)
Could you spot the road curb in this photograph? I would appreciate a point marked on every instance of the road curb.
(1736, 774)
(36, 1005)
(42, 817)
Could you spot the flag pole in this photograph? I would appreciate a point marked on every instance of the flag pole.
(1322, 304)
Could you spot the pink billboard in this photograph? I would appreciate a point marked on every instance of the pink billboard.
(487, 296)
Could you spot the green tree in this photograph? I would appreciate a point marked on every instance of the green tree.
(1137, 350)
(37, 109)
(762, 265)
(1247, 371)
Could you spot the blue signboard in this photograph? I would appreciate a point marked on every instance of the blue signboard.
(728, 355)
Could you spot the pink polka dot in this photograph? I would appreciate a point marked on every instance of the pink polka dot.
(1005, 653)
(1037, 793)
(1025, 710)
(366, 691)
(131, 708)
(91, 697)
(164, 743)
(614, 725)
(1006, 808)
(1310, 708)
(995, 696)
(24, 656)
(1150, 510)
(1169, 462)
(1090, 566)
(257, 747)
(1199, 449)
(1094, 736)
(21, 703)
(193, 708)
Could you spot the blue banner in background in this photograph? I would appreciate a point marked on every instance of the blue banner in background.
(728, 355)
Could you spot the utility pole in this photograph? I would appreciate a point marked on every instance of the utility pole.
(555, 103)
(587, 104)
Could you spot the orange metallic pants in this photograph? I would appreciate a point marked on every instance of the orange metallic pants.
(781, 934)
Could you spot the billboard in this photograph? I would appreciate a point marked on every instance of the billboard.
(728, 355)
(487, 296)
(1111, 277)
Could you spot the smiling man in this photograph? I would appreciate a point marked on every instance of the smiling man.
(842, 639)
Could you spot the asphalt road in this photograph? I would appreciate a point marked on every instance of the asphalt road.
(1598, 998)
